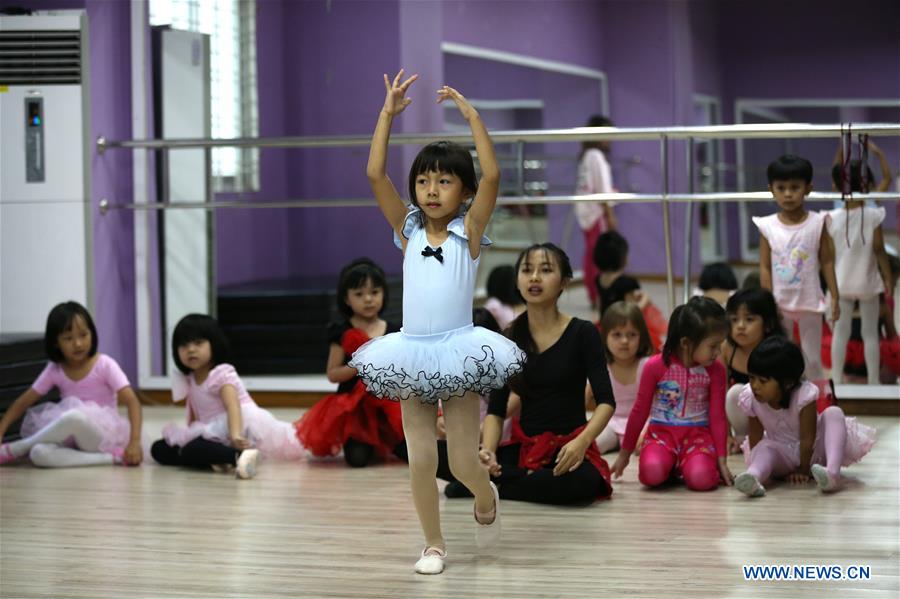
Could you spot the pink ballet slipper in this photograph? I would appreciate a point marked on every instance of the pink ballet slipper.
(824, 480)
(118, 455)
(6, 454)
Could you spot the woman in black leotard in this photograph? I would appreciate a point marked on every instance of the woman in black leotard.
(551, 457)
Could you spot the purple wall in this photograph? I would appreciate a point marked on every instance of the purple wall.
(253, 244)
(565, 30)
(333, 86)
(114, 302)
(645, 92)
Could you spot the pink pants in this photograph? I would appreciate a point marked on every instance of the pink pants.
(687, 451)
(770, 458)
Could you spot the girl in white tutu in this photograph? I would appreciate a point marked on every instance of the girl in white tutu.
(85, 428)
(225, 428)
(439, 354)
(786, 438)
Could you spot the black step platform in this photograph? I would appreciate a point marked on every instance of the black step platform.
(22, 358)
(280, 326)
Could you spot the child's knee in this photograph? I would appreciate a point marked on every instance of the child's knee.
(358, 454)
(833, 413)
(655, 466)
(164, 453)
(40, 454)
(423, 463)
(75, 418)
(701, 474)
(465, 467)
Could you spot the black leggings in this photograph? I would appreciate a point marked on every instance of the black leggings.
(583, 485)
(198, 453)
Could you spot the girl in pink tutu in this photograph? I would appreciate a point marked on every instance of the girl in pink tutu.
(628, 347)
(84, 429)
(225, 428)
(353, 419)
(786, 438)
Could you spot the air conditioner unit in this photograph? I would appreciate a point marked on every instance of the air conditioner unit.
(45, 212)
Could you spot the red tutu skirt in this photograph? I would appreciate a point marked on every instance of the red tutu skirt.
(356, 415)
(855, 358)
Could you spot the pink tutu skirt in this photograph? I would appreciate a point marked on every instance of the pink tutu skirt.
(274, 438)
(115, 428)
(860, 439)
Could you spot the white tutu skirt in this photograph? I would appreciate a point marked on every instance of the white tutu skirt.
(437, 367)
(274, 438)
(114, 428)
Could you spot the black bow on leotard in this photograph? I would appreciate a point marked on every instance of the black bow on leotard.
(438, 253)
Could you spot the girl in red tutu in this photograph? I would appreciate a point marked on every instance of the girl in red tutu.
(353, 419)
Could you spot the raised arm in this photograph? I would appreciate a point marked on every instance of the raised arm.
(881, 257)
(886, 177)
(395, 101)
(479, 215)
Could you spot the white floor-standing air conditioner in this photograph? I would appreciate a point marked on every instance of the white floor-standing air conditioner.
(45, 218)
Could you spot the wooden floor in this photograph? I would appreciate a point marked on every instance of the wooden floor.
(323, 530)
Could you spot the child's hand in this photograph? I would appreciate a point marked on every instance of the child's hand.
(621, 463)
(465, 108)
(725, 473)
(395, 100)
(798, 478)
(640, 298)
(133, 453)
(835, 310)
(570, 457)
(732, 445)
(239, 442)
(489, 462)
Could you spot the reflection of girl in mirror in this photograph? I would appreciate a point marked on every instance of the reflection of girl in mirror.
(859, 258)
(594, 218)
(226, 431)
(353, 419)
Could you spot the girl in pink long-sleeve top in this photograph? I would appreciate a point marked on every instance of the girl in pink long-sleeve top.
(682, 390)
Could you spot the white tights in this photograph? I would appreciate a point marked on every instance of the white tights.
(868, 314)
(736, 416)
(461, 416)
(810, 325)
(607, 440)
(44, 448)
